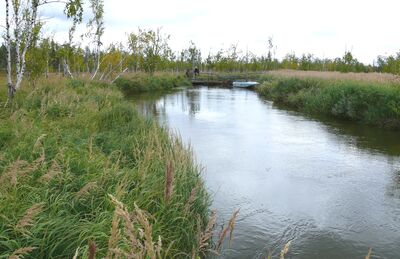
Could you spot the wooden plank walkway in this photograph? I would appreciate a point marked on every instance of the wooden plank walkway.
(206, 82)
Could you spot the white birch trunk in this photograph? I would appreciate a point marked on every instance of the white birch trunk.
(10, 85)
(28, 39)
(118, 76)
(67, 71)
(97, 63)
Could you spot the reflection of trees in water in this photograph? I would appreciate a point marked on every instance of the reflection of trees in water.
(155, 105)
(151, 106)
(193, 101)
(393, 189)
(362, 136)
(371, 138)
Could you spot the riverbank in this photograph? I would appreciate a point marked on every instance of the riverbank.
(368, 102)
(140, 83)
(81, 173)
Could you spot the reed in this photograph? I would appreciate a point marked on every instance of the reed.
(21, 252)
(169, 182)
(92, 250)
(206, 235)
(368, 256)
(285, 250)
(28, 219)
(365, 102)
(192, 197)
(380, 78)
(86, 189)
(228, 228)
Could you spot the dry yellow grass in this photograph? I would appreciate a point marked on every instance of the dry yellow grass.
(206, 235)
(21, 252)
(20, 168)
(138, 232)
(365, 77)
(54, 171)
(192, 197)
(368, 256)
(28, 219)
(86, 189)
(285, 250)
(229, 228)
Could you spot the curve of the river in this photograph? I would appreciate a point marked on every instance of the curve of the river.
(330, 187)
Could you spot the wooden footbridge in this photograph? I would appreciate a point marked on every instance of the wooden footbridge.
(212, 79)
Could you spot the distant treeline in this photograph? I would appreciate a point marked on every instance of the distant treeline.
(148, 51)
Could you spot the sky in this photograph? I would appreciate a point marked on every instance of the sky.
(324, 28)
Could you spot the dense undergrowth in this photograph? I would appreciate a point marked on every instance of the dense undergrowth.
(81, 173)
(144, 83)
(369, 103)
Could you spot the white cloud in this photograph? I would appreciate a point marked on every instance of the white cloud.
(325, 28)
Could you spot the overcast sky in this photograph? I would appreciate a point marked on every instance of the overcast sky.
(325, 28)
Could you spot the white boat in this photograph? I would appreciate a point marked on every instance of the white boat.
(244, 84)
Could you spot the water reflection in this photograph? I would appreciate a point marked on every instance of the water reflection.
(331, 187)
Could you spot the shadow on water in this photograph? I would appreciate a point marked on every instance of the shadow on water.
(372, 138)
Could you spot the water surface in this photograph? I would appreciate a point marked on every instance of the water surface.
(331, 187)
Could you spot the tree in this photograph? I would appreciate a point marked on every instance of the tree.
(136, 49)
(194, 55)
(269, 54)
(96, 25)
(155, 48)
(3, 57)
(21, 26)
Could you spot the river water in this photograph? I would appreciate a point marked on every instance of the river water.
(330, 187)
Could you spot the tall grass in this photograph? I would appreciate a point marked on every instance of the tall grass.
(143, 83)
(366, 102)
(381, 78)
(83, 174)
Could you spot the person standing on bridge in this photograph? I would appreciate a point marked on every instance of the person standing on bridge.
(196, 72)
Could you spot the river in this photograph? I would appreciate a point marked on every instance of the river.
(330, 187)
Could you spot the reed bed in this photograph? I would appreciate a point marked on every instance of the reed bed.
(365, 102)
(138, 83)
(382, 78)
(83, 175)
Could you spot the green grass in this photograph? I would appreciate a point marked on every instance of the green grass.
(366, 102)
(66, 146)
(144, 83)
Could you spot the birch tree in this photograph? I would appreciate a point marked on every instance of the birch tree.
(136, 49)
(21, 21)
(155, 48)
(96, 25)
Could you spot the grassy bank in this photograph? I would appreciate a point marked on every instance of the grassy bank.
(366, 102)
(139, 83)
(380, 78)
(81, 173)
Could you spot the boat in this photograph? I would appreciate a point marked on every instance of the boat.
(244, 84)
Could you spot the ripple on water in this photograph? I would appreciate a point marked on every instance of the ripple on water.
(331, 187)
